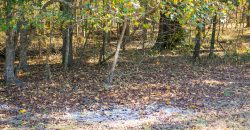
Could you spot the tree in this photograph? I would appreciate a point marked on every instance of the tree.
(9, 74)
(170, 33)
(197, 46)
(212, 42)
(24, 42)
(248, 15)
(67, 35)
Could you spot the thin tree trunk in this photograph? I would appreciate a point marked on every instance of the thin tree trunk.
(40, 48)
(126, 35)
(104, 34)
(248, 15)
(190, 35)
(236, 17)
(242, 21)
(248, 21)
(66, 52)
(108, 81)
(219, 30)
(102, 50)
(212, 42)
(145, 31)
(48, 71)
(197, 46)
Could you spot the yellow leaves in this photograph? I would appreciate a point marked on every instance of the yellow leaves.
(168, 101)
(167, 14)
(130, 4)
(188, 15)
(176, 1)
(136, 23)
(193, 106)
(22, 111)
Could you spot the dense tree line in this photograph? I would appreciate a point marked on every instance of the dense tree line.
(20, 20)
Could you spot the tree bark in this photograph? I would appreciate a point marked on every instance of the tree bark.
(48, 47)
(104, 33)
(212, 42)
(102, 50)
(145, 30)
(197, 46)
(24, 41)
(248, 15)
(126, 35)
(9, 75)
(170, 34)
(248, 21)
(67, 50)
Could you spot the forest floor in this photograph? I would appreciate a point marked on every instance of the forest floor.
(150, 92)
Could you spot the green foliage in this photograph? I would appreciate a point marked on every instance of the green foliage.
(187, 12)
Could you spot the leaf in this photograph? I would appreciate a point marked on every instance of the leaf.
(168, 102)
(226, 93)
(193, 106)
(22, 111)
(146, 26)
(136, 24)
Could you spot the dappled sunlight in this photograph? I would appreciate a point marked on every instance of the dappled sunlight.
(93, 60)
(215, 82)
(53, 59)
(180, 65)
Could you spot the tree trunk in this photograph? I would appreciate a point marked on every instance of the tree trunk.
(236, 17)
(197, 46)
(48, 47)
(67, 34)
(108, 81)
(145, 30)
(126, 35)
(104, 33)
(9, 75)
(169, 35)
(24, 41)
(248, 15)
(248, 21)
(102, 50)
(212, 42)
(67, 51)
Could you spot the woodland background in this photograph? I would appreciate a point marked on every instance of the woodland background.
(62, 56)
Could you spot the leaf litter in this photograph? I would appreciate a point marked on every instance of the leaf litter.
(162, 92)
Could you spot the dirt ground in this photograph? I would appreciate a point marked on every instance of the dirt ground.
(216, 91)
